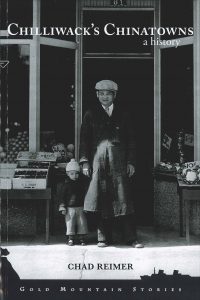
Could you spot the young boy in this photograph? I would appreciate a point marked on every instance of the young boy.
(71, 203)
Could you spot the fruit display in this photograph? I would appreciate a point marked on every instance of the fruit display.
(167, 167)
(13, 146)
(2, 154)
(189, 172)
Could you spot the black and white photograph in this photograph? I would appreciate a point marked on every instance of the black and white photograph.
(100, 149)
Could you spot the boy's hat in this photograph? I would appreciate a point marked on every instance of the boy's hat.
(73, 166)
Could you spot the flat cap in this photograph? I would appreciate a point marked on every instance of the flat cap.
(107, 85)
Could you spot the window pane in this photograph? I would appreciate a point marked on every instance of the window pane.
(177, 101)
(57, 97)
(118, 40)
(20, 12)
(176, 13)
(60, 13)
(14, 101)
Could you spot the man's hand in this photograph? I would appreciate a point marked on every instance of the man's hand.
(86, 169)
(130, 170)
(63, 212)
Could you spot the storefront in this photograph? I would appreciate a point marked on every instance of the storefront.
(49, 81)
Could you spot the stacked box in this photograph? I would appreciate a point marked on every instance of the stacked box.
(6, 174)
(32, 170)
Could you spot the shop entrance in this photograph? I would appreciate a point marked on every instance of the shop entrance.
(119, 54)
(135, 80)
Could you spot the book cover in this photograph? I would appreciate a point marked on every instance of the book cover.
(54, 55)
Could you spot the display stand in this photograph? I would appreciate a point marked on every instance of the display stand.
(187, 193)
(33, 194)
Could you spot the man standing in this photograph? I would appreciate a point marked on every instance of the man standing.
(107, 149)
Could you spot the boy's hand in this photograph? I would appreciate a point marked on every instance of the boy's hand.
(86, 169)
(63, 212)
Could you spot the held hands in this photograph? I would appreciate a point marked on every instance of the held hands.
(62, 209)
(130, 170)
(86, 169)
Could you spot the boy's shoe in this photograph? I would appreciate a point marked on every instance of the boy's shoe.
(82, 242)
(70, 243)
(102, 244)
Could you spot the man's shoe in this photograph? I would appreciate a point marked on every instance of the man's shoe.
(136, 244)
(102, 244)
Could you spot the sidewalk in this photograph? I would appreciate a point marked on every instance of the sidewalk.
(165, 250)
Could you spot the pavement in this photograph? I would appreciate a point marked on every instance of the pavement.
(33, 259)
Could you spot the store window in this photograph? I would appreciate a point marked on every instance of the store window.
(177, 104)
(56, 67)
(57, 100)
(14, 104)
(177, 83)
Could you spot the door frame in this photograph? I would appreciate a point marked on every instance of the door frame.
(79, 69)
